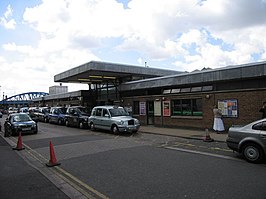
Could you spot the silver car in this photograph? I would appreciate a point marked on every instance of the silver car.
(249, 140)
(112, 118)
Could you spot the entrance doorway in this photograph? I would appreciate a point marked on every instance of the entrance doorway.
(150, 112)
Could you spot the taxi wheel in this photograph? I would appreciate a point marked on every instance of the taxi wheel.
(67, 124)
(92, 127)
(81, 125)
(60, 122)
(115, 130)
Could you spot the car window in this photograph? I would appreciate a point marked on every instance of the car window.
(71, 111)
(21, 118)
(260, 126)
(93, 112)
(83, 110)
(105, 112)
(62, 110)
(98, 112)
(115, 112)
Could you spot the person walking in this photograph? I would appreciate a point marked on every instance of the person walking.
(218, 124)
(263, 110)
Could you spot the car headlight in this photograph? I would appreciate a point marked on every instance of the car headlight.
(121, 122)
(137, 121)
(16, 126)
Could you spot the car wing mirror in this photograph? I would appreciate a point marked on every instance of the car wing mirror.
(106, 115)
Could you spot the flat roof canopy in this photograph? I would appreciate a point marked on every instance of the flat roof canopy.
(244, 71)
(97, 72)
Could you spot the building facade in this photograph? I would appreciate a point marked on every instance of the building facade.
(187, 100)
(171, 98)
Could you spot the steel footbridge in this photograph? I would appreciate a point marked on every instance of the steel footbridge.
(22, 99)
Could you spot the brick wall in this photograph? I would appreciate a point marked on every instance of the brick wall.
(249, 103)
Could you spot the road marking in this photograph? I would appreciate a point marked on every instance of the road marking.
(202, 153)
(203, 147)
(220, 149)
(81, 183)
(77, 184)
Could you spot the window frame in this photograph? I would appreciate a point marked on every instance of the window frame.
(182, 109)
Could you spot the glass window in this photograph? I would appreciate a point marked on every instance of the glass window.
(196, 89)
(115, 112)
(197, 107)
(98, 112)
(167, 91)
(207, 88)
(105, 113)
(176, 90)
(185, 90)
(187, 107)
(260, 126)
(176, 107)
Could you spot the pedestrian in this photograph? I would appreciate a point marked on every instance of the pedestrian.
(218, 124)
(263, 110)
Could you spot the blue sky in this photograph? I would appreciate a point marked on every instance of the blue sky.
(41, 38)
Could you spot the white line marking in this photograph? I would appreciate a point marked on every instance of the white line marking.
(203, 153)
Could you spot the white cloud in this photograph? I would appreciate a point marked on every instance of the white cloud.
(159, 30)
(5, 21)
(191, 33)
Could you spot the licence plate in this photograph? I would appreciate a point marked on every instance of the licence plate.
(26, 129)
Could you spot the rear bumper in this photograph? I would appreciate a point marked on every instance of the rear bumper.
(232, 144)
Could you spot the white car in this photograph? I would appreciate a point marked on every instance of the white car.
(113, 118)
(12, 110)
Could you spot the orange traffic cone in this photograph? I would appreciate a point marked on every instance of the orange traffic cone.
(19, 144)
(207, 137)
(52, 162)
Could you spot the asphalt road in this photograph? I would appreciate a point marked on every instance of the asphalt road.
(102, 165)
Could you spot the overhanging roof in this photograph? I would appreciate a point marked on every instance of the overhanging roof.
(245, 71)
(94, 71)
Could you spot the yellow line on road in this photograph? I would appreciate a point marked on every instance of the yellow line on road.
(220, 149)
(82, 183)
(61, 172)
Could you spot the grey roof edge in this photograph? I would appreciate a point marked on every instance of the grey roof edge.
(60, 95)
(113, 67)
(250, 70)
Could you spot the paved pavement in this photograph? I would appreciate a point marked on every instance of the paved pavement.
(185, 133)
(20, 180)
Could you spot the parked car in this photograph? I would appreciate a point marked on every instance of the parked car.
(42, 114)
(19, 123)
(77, 116)
(249, 140)
(12, 110)
(57, 115)
(112, 118)
(24, 110)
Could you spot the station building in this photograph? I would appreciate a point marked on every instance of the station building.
(169, 98)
